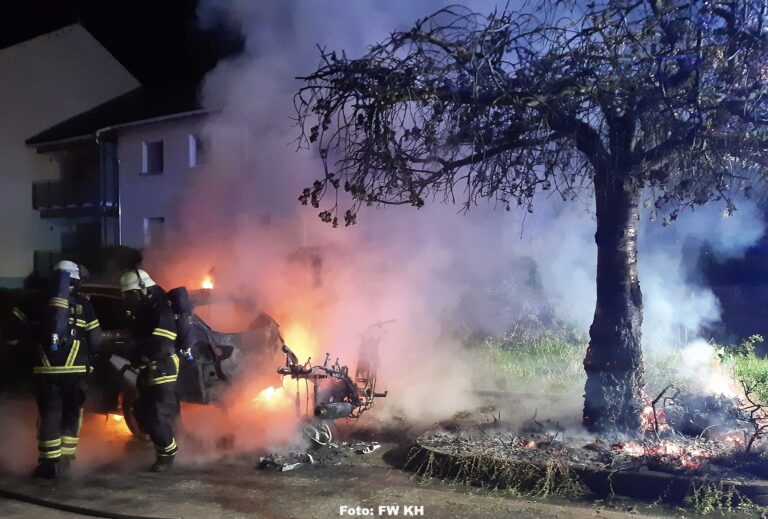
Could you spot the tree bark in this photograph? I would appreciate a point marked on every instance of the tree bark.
(613, 398)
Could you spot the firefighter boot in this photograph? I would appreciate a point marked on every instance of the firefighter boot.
(48, 469)
(162, 464)
(66, 462)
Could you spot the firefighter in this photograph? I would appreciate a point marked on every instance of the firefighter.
(67, 338)
(154, 330)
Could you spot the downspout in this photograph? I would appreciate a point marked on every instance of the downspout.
(117, 158)
(110, 165)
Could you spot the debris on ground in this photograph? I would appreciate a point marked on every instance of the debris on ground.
(285, 462)
(364, 447)
(320, 455)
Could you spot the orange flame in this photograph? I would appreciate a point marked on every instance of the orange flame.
(207, 283)
(301, 341)
(305, 345)
(690, 463)
(686, 457)
(115, 425)
(272, 397)
(649, 422)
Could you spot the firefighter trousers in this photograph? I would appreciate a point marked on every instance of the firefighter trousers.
(60, 401)
(157, 408)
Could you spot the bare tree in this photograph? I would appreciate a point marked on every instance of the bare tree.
(752, 413)
(625, 97)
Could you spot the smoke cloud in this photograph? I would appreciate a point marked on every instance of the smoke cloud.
(327, 286)
(427, 271)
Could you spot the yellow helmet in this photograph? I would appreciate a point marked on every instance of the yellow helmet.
(136, 279)
(69, 267)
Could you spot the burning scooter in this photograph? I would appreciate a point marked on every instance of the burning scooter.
(335, 393)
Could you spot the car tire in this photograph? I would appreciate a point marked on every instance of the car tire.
(127, 407)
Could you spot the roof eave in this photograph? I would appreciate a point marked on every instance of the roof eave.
(151, 120)
(46, 146)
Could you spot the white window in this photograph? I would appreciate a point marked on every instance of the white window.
(152, 158)
(154, 232)
(198, 150)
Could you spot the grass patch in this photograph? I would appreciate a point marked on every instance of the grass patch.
(551, 361)
(718, 498)
(553, 364)
(744, 365)
(753, 371)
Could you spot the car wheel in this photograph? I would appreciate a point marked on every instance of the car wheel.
(128, 409)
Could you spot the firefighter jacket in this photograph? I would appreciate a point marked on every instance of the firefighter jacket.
(154, 330)
(81, 340)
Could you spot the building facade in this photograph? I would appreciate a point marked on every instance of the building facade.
(157, 159)
(55, 76)
(122, 167)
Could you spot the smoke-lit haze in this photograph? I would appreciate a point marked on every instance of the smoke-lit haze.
(399, 263)
(424, 269)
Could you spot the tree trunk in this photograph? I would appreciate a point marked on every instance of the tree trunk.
(613, 398)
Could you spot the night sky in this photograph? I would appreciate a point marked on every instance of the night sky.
(158, 41)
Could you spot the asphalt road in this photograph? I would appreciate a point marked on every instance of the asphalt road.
(235, 488)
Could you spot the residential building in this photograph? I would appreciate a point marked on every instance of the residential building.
(122, 164)
(43, 81)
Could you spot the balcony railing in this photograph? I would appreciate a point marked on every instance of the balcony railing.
(48, 194)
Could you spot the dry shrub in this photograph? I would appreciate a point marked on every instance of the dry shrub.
(552, 478)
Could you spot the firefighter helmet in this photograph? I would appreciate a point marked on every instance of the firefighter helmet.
(69, 267)
(135, 279)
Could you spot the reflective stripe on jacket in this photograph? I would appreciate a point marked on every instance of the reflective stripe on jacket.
(82, 340)
(161, 371)
(69, 365)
